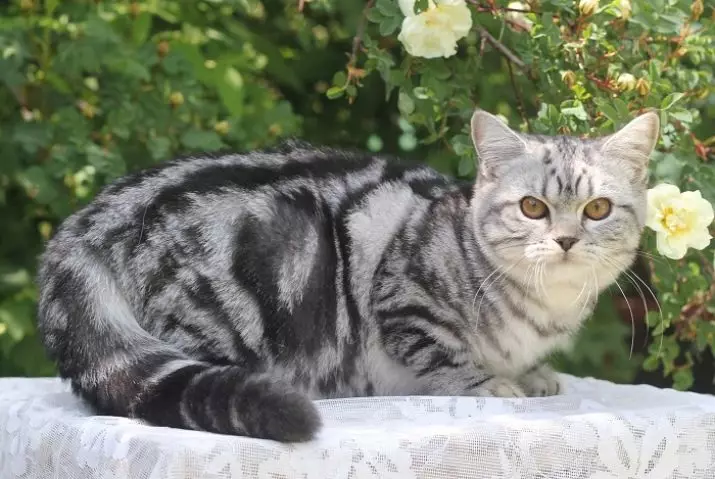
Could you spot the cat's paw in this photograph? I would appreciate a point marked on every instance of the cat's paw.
(499, 386)
(541, 382)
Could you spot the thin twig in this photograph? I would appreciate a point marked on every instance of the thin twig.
(357, 39)
(520, 100)
(487, 8)
(502, 48)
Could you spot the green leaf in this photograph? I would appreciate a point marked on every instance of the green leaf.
(610, 113)
(683, 115)
(422, 93)
(335, 92)
(141, 28)
(650, 363)
(622, 109)
(159, 148)
(51, 6)
(39, 184)
(388, 8)
(199, 140)
(577, 111)
(683, 379)
(374, 15)
(466, 167)
(405, 104)
(389, 25)
(107, 162)
(231, 91)
(671, 100)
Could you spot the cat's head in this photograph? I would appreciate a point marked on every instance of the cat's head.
(572, 205)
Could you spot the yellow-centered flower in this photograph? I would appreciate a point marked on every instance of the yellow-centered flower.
(434, 32)
(680, 220)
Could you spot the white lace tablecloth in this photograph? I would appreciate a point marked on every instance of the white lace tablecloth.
(595, 430)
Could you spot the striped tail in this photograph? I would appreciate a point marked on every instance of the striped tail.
(89, 328)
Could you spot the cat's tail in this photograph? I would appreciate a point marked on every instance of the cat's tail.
(88, 327)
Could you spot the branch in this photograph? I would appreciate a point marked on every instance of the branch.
(357, 39)
(520, 100)
(489, 8)
(502, 49)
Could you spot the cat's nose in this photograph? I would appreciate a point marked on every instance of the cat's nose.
(566, 242)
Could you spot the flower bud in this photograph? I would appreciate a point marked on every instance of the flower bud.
(517, 21)
(697, 9)
(176, 99)
(162, 49)
(587, 7)
(626, 82)
(569, 78)
(643, 87)
(222, 127)
(625, 7)
(87, 109)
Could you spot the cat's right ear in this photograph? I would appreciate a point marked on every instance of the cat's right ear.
(495, 142)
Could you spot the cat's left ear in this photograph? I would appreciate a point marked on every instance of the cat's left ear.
(632, 145)
(495, 142)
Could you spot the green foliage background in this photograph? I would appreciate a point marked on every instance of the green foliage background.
(93, 89)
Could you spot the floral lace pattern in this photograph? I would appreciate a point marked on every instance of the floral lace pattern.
(595, 430)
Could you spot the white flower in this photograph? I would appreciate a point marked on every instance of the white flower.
(680, 220)
(435, 31)
(517, 20)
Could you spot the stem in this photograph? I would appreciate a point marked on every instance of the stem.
(502, 48)
(357, 39)
(520, 100)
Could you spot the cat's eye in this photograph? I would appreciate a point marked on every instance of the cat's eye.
(534, 208)
(597, 209)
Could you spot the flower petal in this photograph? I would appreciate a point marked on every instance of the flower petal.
(407, 7)
(699, 239)
(701, 206)
(674, 248)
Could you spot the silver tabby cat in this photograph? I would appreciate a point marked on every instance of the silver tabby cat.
(224, 293)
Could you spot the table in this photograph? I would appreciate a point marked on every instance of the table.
(594, 430)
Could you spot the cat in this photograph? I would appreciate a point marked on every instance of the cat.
(226, 293)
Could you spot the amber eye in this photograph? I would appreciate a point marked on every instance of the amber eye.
(597, 209)
(534, 208)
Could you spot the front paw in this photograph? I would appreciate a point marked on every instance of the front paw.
(541, 382)
(499, 387)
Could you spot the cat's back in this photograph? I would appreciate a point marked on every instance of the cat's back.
(226, 188)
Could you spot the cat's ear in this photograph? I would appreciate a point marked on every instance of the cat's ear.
(495, 142)
(632, 145)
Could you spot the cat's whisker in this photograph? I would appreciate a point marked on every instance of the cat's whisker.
(486, 290)
(541, 280)
(585, 305)
(633, 321)
(632, 276)
(657, 303)
(530, 274)
(579, 294)
(484, 281)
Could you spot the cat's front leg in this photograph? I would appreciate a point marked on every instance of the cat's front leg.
(443, 367)
(499, 386)
(540, 381)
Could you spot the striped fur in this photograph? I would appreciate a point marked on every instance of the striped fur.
(224, 293)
